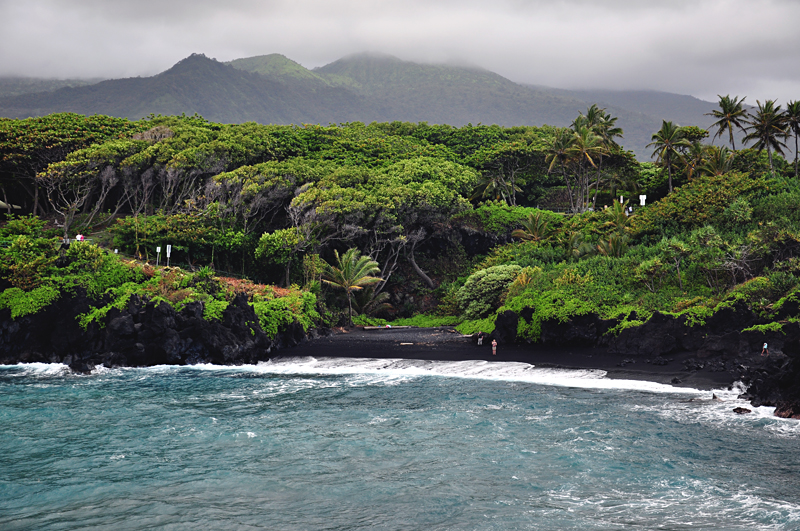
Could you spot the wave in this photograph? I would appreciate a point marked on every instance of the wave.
(37, 369)
(393, 370)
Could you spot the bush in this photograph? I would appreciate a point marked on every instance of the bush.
(483, 290)
(23, 303)
(427, 321)
(702, 201)
(277, 314)
(27, 260)
(498, 217)
(364, 320)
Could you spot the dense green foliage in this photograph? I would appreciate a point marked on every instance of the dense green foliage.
(429, 219)
(36, 272)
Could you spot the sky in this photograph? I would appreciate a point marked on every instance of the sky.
(698, 47)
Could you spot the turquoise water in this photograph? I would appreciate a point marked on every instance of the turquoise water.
(374, 444)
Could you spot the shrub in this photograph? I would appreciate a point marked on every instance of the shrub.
(27, 260)
(23, 303)
(499, 217)
(364, 320)
(427, 321)
(213, 309)
(768, 327)
(277, 314)
(483, 290)
(702, 201)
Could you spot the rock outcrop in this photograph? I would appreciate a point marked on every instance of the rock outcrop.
(142, 334)
(718, 345)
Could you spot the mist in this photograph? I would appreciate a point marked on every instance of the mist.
(700, 48)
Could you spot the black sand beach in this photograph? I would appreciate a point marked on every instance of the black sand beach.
(445, 344)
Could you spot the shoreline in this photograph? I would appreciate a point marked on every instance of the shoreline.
(444, 344)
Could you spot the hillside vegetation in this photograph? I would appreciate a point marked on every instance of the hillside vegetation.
(273, 89)
(462, 223)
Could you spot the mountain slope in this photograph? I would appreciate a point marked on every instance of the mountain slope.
(367, 87)
(278, 67)
(200, 85)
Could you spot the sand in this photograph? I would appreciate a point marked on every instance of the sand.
(448, 345)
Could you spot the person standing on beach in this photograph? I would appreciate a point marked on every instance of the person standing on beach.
(480, 338)
(494, 347)
(765, 350)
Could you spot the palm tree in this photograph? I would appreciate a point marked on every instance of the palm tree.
(694, 157)
(766, 128)
(730, 115)
(667, 141)
(616, 245)
(558, 154)
(557, 151)
(535, 228)
(605, 126)
(793, 123)
(618, 219)
(586, 147)
(718, 161)
(352, 272)
(493, 185)
(367, 302)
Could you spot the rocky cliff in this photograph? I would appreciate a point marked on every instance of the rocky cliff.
(718, 345)
(142, 334)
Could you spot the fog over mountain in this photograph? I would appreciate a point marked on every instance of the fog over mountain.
(700, 48)
(364, 87)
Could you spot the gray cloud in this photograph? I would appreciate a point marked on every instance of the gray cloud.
(700, 47)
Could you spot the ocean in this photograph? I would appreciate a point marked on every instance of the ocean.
(342, 444)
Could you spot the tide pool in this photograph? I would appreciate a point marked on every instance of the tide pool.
(302, 443)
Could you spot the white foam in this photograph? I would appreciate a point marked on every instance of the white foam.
(39, 369)
(395, 370)
(392, 369)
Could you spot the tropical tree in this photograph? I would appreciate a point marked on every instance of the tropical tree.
(767, 128)
(494, 186)
(367, 302)
(604, 126)
(352, 272)
(535, 227)
(616, 245)
(793, 124)
(584, 153)
(502, 166)
(718, 161)
(694, 157)
(730, 114)
(667, 143)
(618, 219)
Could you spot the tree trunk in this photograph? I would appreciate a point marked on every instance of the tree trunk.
(5, 200)
(669, 170)
(769, 155)
(419, 271)
(349, 308)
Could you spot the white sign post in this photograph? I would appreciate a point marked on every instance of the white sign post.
(642, 199)
(169, 252)
(158, 255)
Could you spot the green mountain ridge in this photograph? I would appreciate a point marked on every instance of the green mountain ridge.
(364, 87)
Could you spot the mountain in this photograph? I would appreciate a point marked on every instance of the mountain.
(365, 87)
(200, 85)
(279, 67)
(14, 86)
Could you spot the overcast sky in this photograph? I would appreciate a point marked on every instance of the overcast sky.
(697, 47)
